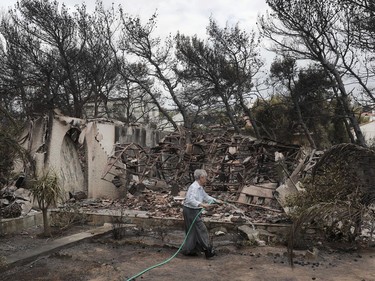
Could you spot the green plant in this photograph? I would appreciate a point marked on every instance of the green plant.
(46, 190)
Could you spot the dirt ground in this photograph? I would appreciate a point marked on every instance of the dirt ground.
(107, 259)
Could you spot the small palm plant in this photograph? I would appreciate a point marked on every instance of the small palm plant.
(46, 190)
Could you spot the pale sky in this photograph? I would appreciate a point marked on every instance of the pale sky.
(190, 17)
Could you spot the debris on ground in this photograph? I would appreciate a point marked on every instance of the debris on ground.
(240, 169)
(15, 200)
(253, 176)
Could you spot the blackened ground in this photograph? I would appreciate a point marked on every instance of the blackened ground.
(107, 259)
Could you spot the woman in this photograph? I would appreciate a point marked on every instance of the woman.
(196, 199)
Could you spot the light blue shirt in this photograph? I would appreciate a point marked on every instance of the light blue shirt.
(196, 195)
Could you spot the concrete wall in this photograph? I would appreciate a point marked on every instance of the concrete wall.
(63, 158)
(16, 225)
(33, 140)
(71, 170)
(101, 138)
(53, 148)
(99, 142)
(142, 136)
(368, 131)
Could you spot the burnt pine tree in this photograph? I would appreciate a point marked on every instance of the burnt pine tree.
(358, 22)
(284, 71)
(53, 57)
(224, 66)
(301, 104)
(308, 29)
(152, 65)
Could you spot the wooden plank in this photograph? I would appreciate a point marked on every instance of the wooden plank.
(257, 191)
(269, 185)
(242, 198)
(258, 206)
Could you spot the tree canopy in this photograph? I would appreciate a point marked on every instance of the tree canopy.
(107, 63)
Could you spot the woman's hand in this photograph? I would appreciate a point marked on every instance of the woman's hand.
(205, 205)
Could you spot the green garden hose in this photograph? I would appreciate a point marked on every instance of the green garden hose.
(183, 243)
(175, 254)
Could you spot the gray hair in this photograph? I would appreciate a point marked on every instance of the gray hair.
(199, 173)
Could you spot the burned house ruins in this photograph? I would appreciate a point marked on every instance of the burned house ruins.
(142, 169)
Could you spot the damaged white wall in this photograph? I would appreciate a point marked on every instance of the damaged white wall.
(53, 148)
(63, 157)
(33, 140)
(368, 131)
(99, 142)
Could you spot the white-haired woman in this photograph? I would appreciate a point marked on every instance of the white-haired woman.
(196, 199)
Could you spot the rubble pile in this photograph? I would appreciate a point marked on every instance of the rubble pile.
(156, 205)
(15, 200)
(244, 172)
(241, 171)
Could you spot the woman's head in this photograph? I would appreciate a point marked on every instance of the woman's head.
(200, 175)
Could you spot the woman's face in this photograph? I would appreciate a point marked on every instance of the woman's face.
(202, 180)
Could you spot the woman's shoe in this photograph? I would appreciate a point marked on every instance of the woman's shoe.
(191, 253)
(209, 253)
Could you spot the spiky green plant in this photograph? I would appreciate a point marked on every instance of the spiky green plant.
(46, 190)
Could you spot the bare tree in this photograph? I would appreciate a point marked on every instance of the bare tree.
(98, 60)
(152, 65)
(55, 58)
(225, 66)
(358, 22)
(311, 30)
(361, 14)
